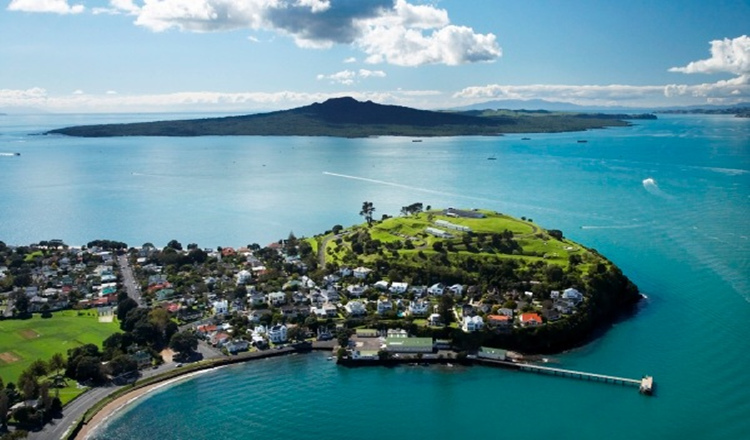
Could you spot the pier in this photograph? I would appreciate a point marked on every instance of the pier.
(645, 385)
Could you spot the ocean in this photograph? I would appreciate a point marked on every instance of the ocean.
(668, 201)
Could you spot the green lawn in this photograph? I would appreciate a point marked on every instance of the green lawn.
(23, 341)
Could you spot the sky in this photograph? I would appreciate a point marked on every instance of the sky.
(82, 56)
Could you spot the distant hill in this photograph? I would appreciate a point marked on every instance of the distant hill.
(347, 117)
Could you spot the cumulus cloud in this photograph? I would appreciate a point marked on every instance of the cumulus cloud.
(241, 102)
(349, 77)
(48, 6)
(388, 31)
(574, 93)
(727, 56)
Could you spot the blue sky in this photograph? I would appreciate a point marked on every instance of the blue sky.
(252, 55)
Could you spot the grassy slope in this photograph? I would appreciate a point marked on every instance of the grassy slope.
(63, 331)
(535, 243)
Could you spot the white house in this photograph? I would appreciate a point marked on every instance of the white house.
(398, 288)
(554, 294)
(276, 298)
(244, 277)
(419, 307)
(435, 319)
(256, 298)
(277, 333)
(237, 345)
(573, 295)
(221, 307)
(331, 295)
(472, 324)
(384, 305)
(345, 271)
(436, 289)
(356, 290)
(355, 308)
(361, 272)
(381, 285)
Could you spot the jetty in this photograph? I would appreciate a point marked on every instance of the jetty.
(645, 384)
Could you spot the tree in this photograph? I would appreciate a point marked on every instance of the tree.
(21, 302)
(174, 244)
(445, 308)
(183, 342)
(121, 364)
(124, 307)
(4, 408)
(367, 210)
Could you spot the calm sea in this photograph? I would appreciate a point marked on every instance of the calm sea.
(666, 200)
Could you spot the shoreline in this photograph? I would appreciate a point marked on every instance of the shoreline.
(121, 403)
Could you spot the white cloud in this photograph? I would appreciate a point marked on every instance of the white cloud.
(49, 6)
(727, 56)
(388, 31)
(240, 103)
(350, 60)
(349, 77)
(78, 92)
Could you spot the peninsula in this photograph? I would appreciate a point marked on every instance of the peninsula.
(347, 117)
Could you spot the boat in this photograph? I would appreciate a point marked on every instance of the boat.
(582, 141)
(525, 139)
(416, 140)
(492, 158)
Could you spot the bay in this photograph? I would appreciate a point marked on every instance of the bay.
(668, 201)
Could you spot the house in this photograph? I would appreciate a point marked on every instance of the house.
(345, 272)
(472, 324)
(457, 289)
(277, 334)
(276, 298)
(365, 354)
(142, 358)
(499, 321)
(554, 294)
(435, 320)
(361, 272)
(218, 339)
(504, 311)
(398, 288)
(256, 299)
(551, 314)
(436, 289)
(397, 333)
(355, 308)
(384, 305)
(244, 277)
(572, 295)
(455, 227)
(316, 299)
(530, 319)
(418, 290)
(381, 285)
(419, 307)
(467, 309)
(237, 345)
(331, 296)
(221, 307)
(355, 290)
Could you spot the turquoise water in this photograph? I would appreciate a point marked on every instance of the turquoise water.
(667, 200)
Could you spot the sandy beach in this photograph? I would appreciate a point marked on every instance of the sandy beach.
(123, 401)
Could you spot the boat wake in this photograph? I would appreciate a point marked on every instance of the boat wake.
(650, 185)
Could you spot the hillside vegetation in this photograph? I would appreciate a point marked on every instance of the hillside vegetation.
(347, 117)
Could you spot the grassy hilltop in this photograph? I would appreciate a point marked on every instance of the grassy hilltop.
(500, 259)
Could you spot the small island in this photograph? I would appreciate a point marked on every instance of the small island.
(347, 117)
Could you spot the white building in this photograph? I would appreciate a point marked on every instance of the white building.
(361, 272)
(221, 307)
(472, 324)
(276, 298)
(277, 334)
(455, 227)
(457, 289)
(356, 290)
(244, 277)
(384, 305)
(419, 307)
(573, 295)
(438, 232)
(436, 289)
(381, 285)
(398, 288)
(355, 308)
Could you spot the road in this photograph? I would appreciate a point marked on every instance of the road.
(56, 429)
(128, 280)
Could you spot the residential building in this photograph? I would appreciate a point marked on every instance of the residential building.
(355, 308)
(361, 272)
(472, 324)
(530, 319)
(221, 307)
(398, 288)
(384, 305)
(276, 298)
(277, 334)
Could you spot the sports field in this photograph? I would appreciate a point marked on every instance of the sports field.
(24, 340)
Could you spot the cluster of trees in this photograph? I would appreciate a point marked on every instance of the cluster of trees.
(414, 208)
(109, 245)
(35, 386)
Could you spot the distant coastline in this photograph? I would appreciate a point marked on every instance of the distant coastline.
(349, 118)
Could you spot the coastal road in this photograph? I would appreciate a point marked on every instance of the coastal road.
(57, 428)
(133, 289)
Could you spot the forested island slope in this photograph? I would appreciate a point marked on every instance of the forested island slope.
(347, 117)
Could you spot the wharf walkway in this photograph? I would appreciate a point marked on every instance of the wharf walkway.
(645, 384)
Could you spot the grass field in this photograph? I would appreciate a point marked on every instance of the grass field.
(23, 341)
